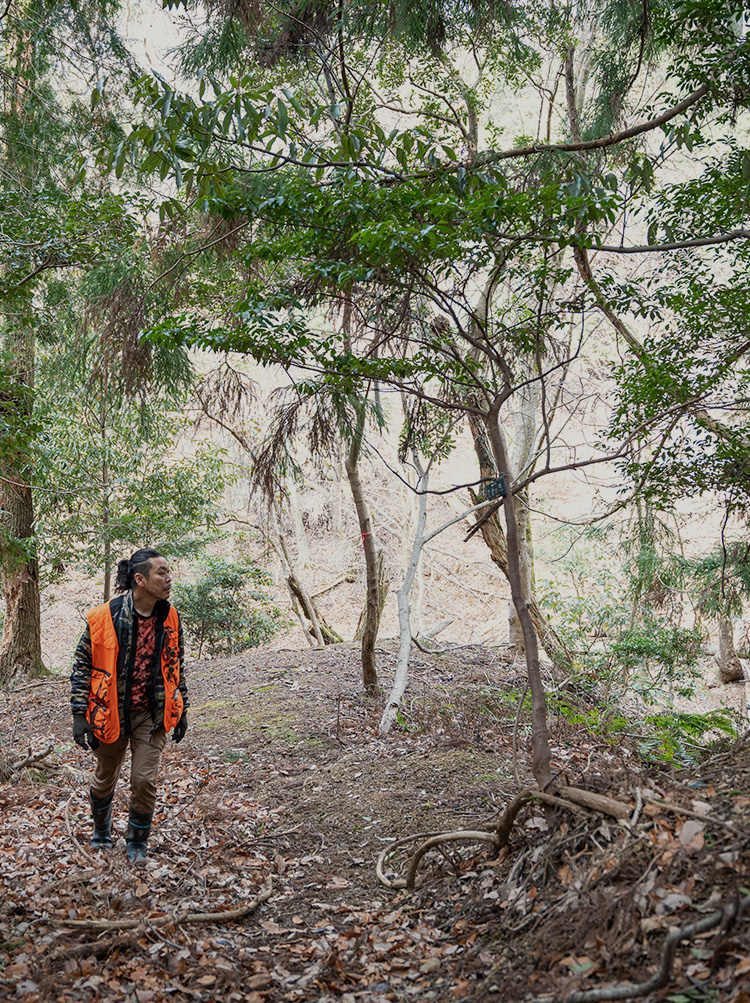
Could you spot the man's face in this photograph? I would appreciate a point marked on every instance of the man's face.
(157, 583)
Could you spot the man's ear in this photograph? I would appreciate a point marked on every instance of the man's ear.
(139, 579)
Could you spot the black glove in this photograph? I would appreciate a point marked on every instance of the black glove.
(82, 731)
(180, 728)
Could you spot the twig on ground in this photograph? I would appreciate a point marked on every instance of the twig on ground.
(703, 816)
(660, 978)
(638, 807)
(223, 916)
(77, 845)
(427, 651)
(39, 682)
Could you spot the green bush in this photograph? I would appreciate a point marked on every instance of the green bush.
(226, 610)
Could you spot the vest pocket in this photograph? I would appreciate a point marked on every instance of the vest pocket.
(99, 712)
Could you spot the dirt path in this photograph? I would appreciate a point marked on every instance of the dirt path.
(283, 776)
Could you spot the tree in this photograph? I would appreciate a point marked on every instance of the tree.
(226, 609)
(457, 260)
(52, 220)
(115, 468)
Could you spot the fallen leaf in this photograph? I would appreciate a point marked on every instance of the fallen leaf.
(257, 981)
(691, 834)
(742, 967)
(337, 882)
(431, 965)
(651, 923)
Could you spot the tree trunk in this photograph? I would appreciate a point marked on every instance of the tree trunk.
(401, 675)
(106, 497)
(541, 755)
(726, 658)
(382, 596)
(21, 649)
(372, 601)
(304, 559)
(318, 632)
(494, 537)
(526, 559)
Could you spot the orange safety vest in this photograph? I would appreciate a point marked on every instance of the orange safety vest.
(103, 712)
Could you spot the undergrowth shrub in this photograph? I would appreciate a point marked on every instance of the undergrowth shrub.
(630, 655)
(226, 609)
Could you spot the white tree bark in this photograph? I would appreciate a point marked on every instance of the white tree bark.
(300, 535)
(401, 676)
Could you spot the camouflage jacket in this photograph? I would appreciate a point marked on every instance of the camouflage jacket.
(124, 620)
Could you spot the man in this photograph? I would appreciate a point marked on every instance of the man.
(128, 689)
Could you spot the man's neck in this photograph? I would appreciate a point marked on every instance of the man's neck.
(144, 604)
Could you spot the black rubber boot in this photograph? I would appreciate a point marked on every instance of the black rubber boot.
(139, 828)
(101, 813)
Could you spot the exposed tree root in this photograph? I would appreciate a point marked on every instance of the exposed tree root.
(389, 851)
(661, 978)
(474, 836)
(224, 916)
(571, 798)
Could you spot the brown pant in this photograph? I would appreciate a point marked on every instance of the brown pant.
(145, 750)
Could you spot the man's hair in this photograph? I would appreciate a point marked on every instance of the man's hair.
(138, 564)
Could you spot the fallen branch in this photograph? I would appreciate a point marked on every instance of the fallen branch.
(224, 916)
(97, 948)
(660, 978)
(346, 577)
(31, 759)
(597, 802)
(557, 802)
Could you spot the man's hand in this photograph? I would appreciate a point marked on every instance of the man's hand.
(180, 728)
(82, 733)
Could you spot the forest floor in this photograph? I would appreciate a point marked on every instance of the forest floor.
(282, 778)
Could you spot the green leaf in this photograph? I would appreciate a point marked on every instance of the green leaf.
(293, 102)
(283, 118)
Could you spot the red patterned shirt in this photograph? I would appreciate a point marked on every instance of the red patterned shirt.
(144, 662)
